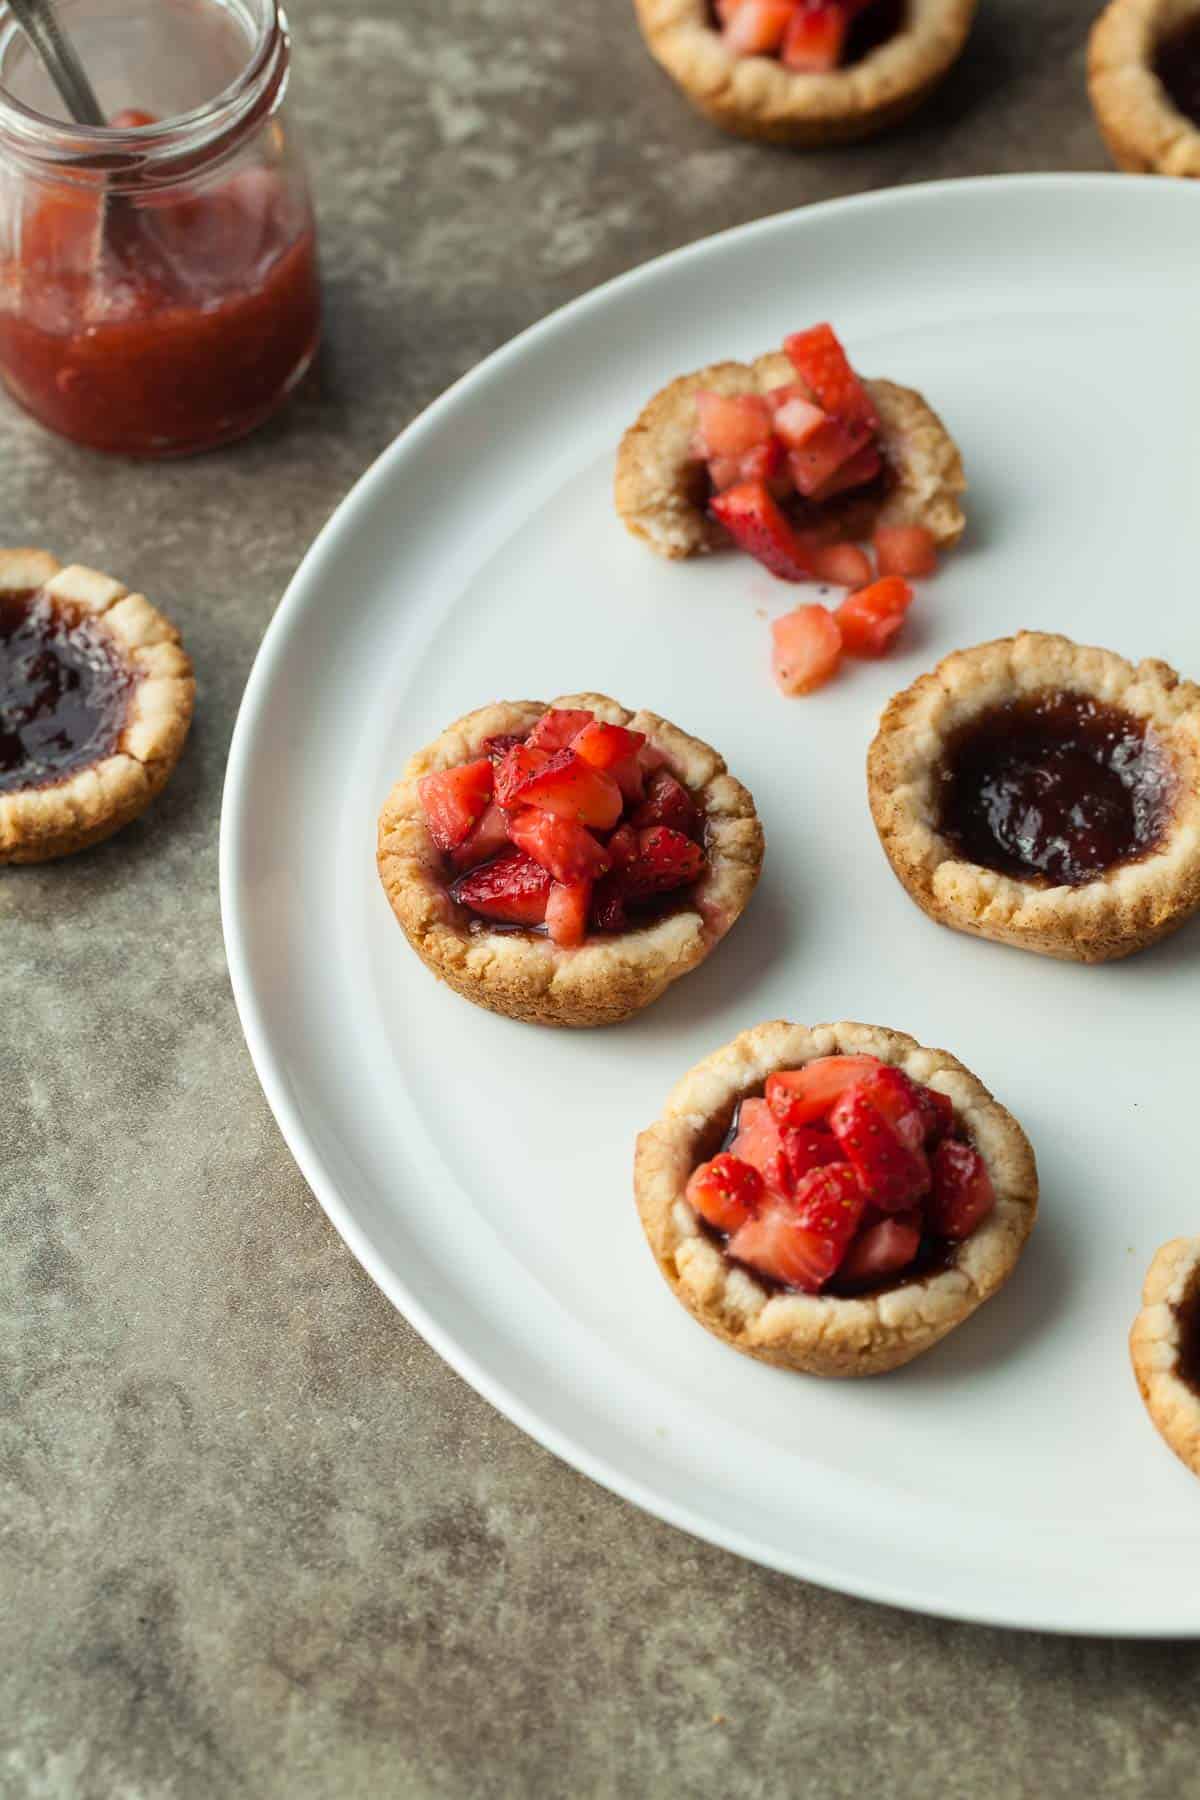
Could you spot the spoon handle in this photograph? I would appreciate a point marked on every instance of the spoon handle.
(40, 24)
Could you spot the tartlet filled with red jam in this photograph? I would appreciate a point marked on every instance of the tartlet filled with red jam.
(96, 697)
(1045, 795)
(564, 864)
(1164, 1346)
(806, 72)
(787, 457)
(834, 1199)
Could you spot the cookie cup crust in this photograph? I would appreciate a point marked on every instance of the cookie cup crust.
(1140, 123)
(660, 490)
(1155, 1343)
(757, 97)
(609, 977)
(824, 1334)
(40, 823)
(1133, 904)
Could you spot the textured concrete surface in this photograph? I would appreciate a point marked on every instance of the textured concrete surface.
(256, 1539)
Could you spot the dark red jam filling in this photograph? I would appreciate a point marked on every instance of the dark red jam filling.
(1177, 65)
(63, 692)
(1188, 1366)
(1055, 789)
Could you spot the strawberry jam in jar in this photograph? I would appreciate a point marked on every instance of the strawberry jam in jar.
(158, 275)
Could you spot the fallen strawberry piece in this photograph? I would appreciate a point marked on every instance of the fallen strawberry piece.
(726, 1192)
(665, 860)
(488, 839)
(862, 467)
(757, 26)
(564, 849)
(844, 564)
(892, 1175)
(820, 361)
(963, 1194)
(871, 618)
(728, 425)
(909, 550)
(514, 889)
(807, 649)
(516, 766)
(668, 802)
(760, 1143)
(567, 913)
(555, 729)
(453, 801)
(807, 1149)
(573, 789)
(882, 1250)
(801, 1242)
(753, 519)
(799, 1097)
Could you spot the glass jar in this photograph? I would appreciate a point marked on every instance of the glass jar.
(158, 278)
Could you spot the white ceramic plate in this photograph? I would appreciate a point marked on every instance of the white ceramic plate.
(480, 1170)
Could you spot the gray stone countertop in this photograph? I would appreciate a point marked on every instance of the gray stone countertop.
(256, 1538)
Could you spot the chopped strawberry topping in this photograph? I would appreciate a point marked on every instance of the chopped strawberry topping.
(797, 419)
(882, 1250)
(758, 26)
(604, 746)
(513, 889)
(665, 860)
(870, 619)
(861, 468)
(893, 1174)
(800, 1097)
(555, 729)
(807, 649)
(488, 839)
(815, 465)
(668, 802)
(821, 362)
(760, 1143)
(498, 747)
(963, 1194)
(729, 425)
(755, 521)
(622, 846)
(567, 913)
(908, 550)
(454, 799)
(937, 1110)
(801, 1242)
(899, 1100)
(726, 1192)
(815, 38)
(844, 564)
(517, 766)
(566, 850)
(807, 1149)
(573, 789)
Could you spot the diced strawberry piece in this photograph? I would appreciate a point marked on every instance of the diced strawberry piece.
(807, 649)
(724, 472)
(615, 750)
(801, 1242)
(754, 520)
(555, 729)
(757, 26)
(453, 801)
(513, 889)
(820, 361)
(608, 905)
(831, 1200)
(563, 848)
(726, 1192)
(871, 618)
(816, 463)
(807, 1149)
(963, 1194)
(622, 846)
(488, 839)
(517, 766)
(797, 420)
(899, 1100)
(651, 757)
(882, 1250)
(499, 746)
(668, 802)
(908, 550)
(815, 38)
(567, 913)
(665, 860)
(937, 1111)
(799, 1097)
(861, 468)
(731, 424)
(844, 564)
(892, 1175)
(767, 463)
(573, 789)
(759, 1143)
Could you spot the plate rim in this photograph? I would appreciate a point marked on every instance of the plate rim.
(272, 1079)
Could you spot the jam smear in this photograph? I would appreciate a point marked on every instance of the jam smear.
(1055, 789)
(1188, 1366)
(1177, 65)
(63, 692)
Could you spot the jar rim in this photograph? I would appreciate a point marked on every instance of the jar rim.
(149, 155)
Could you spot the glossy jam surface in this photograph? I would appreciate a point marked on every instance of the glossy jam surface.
(1177, 65)
(176, 324)
(1189, 1337)
(63, 692)
(1055, 789)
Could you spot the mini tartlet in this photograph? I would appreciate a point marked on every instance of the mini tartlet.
(757, 96)
(658, 885)
(1144, 82)
(1044, 795)
(821, 1333)
(1164, 1346)
(663, 491)
(96, 697)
